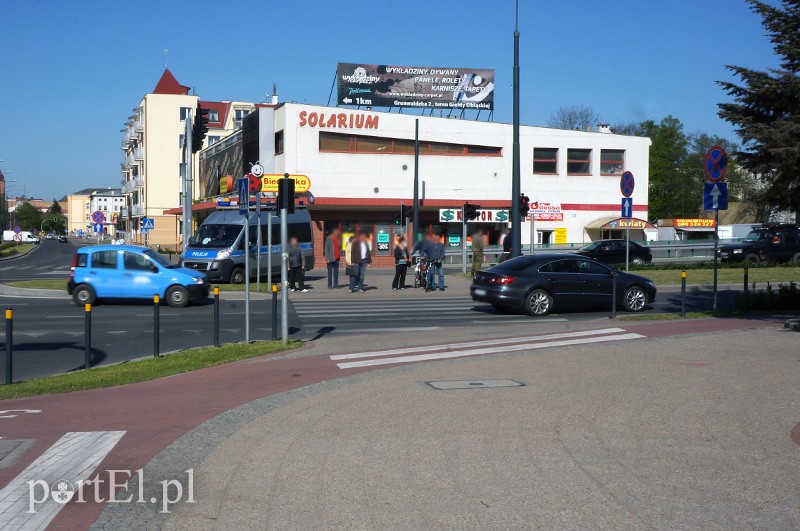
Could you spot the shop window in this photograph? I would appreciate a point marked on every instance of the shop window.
(336, 143)
(279, 142)
(579, 161)
(345, 143)
(545, 160)
(369, 144)
(612, 161)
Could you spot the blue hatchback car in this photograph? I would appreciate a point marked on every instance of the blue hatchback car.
(130, 272)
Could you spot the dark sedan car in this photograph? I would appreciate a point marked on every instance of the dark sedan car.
(542, 282)
(613, 252)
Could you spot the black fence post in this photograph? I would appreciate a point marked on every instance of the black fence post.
(274, 312)
(9, 344)
(156, 325)
(683, 294)
(746, 288)
(216, 316)
(614, 294)
(87, 353)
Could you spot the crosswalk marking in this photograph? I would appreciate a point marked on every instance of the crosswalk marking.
(476, 348)
(73, 458)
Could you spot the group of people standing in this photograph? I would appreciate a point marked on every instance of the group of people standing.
(357, 256)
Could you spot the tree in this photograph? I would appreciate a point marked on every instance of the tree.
(55, 208)
(579, 117)
(766, 108)
(28, 217)
(668, 181)
(630, 128)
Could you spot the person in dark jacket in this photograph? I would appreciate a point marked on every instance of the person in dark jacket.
(296, 274)
(401, 259)
(437, 256)
(333, 246)
(477, 251)
(506, 247)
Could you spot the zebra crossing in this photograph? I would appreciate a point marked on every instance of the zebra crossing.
(478, 348)
(359, 314)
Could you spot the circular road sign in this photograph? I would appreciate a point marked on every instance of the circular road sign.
(17, 229)
(626, 184)
(257, 170)
(716, 164)
(17, 238)
(98, 217)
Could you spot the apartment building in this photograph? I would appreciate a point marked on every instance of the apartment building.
(81, 204)
(152, 146)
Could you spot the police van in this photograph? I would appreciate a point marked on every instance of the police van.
(217, 248)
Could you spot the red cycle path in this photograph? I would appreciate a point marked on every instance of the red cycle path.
(154, 414)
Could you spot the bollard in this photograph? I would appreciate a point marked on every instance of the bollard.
(87, 354)
(274, 312)
(746, 289)
(613, 294)
(156, 325)
(216, 316)
(9, 344)
(683, 294)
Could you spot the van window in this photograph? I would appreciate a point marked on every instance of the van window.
(215, 236)
(104, 259)
(301, 231)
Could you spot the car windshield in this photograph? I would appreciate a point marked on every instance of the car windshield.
(756, 236)
(591, 247)
(215, 236)
(159, 259)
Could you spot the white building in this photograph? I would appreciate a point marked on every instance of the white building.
(361, 167)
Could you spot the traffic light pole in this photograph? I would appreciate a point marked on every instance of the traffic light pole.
(416, 181)
(516, 241)
(186, 231)
(463, 239)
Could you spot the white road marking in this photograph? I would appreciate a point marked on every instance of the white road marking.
(403, 329)
(4, 413)
(472, 344)
(73, 458)
(521, 319)
(64, 317)
(496, 350)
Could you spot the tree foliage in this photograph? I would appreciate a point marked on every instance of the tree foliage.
(28, 217)
(766, 108)
(579, 117)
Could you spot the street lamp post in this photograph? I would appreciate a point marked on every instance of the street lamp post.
(516, 236)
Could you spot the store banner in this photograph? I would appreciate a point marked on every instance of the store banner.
(485, 215)
(561, 235)
(413, 86)
(545, 212)
(691, 223)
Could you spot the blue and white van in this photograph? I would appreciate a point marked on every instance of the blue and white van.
(217, 248)
(131, 272)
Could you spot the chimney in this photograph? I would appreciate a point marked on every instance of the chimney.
(604, 128)
(274, 93)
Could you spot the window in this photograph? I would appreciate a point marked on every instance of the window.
(80, 260)
(612, 161)
(346, 143)
(561, 266)
(136, 262)
(213, 115)
(104, 259)
(579, 161)
(185, 112)
(213, 140)
(545, 160)
(180, 141)
(279, 142)
(592, 268)
(239, 114)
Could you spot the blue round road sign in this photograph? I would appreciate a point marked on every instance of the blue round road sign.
(98, 217)
(626, 184)
(17, 229)
(716, 164)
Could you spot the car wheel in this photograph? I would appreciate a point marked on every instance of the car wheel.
(752, 258)
(635, 299)
(637, 260)
(83, 294)
(538, 303)
(177, 296)
(501, 308)
(237, 276)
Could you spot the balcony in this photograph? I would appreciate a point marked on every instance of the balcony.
(137, 210)
(138, 153)
(124, 168)
(124, 143)
(138, 181)
(128, 187)
(138, 125)
(123, 212)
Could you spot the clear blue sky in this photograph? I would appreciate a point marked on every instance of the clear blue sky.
(70, 72)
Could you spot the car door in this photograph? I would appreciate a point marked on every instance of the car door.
(142, 278)
(562, 279)
(596, 280)
(105, 274)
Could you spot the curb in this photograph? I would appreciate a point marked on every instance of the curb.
(20, 255)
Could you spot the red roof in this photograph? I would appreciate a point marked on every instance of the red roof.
(169, 85)
(222, 108)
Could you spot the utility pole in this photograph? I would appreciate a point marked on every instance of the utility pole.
(516, 241)
(186, 233)
(416, 181)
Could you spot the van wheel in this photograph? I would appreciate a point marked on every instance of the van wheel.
(237, 275)
(177, 296)
(538, 303)
(752, 258)
(83, 294)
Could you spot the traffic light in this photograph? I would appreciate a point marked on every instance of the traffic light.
(398, 220)
(199, 128)
(406, 211)
(524, 205)
(470, 211)
(286, 194)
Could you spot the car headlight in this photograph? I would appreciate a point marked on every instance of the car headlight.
(737, 251)
(199, 280)
(223, 254)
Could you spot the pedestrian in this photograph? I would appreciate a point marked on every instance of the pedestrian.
(296, 273)
(477, 252)
(437, 257)
(400, 264)
(359, 257)
(332, 248)
(506, 247)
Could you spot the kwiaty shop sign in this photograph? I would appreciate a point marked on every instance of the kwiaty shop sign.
(485, 215)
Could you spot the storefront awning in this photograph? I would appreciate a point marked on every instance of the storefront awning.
(615, 223)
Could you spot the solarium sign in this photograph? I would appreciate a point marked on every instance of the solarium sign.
(339, 120)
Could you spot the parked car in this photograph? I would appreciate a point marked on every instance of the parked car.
(130, 272)
(62, 238)
(50, 236)
(537, 284)
(613, 252)
(770, 243)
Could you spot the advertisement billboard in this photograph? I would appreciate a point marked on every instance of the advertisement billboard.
(224, 162)
(414, 86)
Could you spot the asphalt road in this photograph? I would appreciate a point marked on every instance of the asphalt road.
(49, 333)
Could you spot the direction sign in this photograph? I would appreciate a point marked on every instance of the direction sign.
(716, 164)
(627, 207)
(626, 184)
(98, 217)
(243, 186)
(148, 224)
(17, 229)
(715, 196)
(98, 228)
(17, 237)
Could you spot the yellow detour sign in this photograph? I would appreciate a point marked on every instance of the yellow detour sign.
(269, 182)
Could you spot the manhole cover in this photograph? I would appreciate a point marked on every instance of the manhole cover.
(473, 384)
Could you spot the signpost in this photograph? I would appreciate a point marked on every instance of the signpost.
(715, 197)
(148, 224)
(17, 229)
(244, 210)
(626, 185)
(17, 237)
(257, 170)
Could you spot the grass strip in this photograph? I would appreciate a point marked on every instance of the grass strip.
(16, 249)
(143, 369)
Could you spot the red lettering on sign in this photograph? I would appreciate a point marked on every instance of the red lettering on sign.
(372, 122)
(359, 121)
(342, 120)
(312, 119)
(303, 118)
